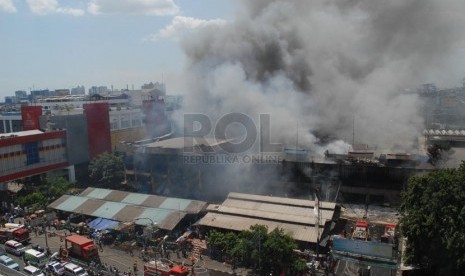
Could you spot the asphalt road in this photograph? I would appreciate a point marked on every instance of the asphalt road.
(122, 260)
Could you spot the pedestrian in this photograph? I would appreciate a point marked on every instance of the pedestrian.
(100, 245)
(135, 266)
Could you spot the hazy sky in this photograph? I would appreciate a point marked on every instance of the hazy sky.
(64, 43)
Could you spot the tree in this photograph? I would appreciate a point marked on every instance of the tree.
(222, 244)
(433, 221)
(56, 187)
(36, 198)
(107, 170)
(279, 249)
(266, 252)
(45, 194)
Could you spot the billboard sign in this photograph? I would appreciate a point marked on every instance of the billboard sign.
(370, 249)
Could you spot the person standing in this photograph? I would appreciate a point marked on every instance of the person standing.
(135, 267)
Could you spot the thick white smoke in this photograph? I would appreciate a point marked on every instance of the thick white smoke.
(329, 66)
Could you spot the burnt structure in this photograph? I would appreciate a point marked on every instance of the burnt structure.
(165, 168)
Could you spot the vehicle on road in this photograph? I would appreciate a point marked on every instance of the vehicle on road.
(35, 258)
(163, 267)
(32, 270)
(14, 231)
(80, 247)
(74, 270)
(56, 268)
(14, 247)
(8, 262)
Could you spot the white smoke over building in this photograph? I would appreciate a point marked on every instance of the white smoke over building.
(332, 66)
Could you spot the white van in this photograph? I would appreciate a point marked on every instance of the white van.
(35, 258)
(14, 247)
(74, 270)
(32, 270)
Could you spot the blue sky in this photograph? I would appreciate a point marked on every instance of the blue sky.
(63, 43)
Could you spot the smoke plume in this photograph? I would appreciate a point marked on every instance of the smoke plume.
(333, 67)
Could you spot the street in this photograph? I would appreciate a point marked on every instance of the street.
(110, 256)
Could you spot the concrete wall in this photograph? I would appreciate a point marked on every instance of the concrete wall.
(76, 135)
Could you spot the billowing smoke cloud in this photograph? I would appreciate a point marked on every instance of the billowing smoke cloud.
(328, 66)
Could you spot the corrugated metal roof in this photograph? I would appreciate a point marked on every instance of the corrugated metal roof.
(99, 193)
(163, 218)
(125, 206)
(134, 198)
(153, 201)
(58, 201)
(240, 211)
(282, 200)
(305, 212)
(89, 206)
(237, 223)
(108, 209)
(309, 218)
(71, 203)
(175, 203)
(117, 196)
(128, 213)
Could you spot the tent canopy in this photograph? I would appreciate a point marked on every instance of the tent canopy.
(102, 224)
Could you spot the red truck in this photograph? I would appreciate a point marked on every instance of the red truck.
(80, 247)
(14, 231)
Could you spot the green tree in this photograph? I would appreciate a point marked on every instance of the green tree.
(266, 252)
(299, 265)
(279, 249)
(107, 170)
(33, 199)
(56, 187)
(433, 221)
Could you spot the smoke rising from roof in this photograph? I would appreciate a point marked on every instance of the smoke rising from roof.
(328, 66)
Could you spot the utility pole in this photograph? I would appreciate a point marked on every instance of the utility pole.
(316, 210)
(44, 226)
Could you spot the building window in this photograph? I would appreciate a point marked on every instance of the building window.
(32, 153)
(124, 124)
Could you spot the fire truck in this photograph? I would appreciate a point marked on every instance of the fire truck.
(14, 231)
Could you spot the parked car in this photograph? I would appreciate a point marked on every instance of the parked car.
(8, 262)
(74, 270)
(55, 268)
(33, 271)
(14, 247)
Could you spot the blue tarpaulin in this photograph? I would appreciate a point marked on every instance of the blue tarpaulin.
(102, 224)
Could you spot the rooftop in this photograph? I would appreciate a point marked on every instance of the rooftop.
(295, 216)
